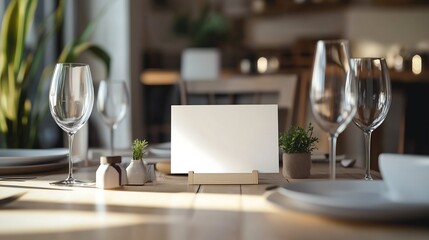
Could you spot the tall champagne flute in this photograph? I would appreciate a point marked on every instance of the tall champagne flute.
(332, 93)
(71, 98)
(112, 103)
(373, 101)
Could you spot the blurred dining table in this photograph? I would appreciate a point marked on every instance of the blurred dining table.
(169, 208)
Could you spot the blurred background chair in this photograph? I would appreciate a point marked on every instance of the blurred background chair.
(261, 89)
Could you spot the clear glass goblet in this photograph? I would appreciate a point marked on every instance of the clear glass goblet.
(112, 103)
(71, 98)
(332, 93)
(373, 101)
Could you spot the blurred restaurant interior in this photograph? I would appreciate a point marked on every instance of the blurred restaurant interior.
(96, 141)
(281, 35)
(146, 41)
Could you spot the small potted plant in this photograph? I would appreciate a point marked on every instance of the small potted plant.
(136, 171)
(297, 144)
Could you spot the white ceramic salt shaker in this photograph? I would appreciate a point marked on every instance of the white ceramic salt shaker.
(136, 172)
(108, 174)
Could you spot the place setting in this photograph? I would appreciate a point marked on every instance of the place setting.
(395, 198)
(21, 161)
(348, 89)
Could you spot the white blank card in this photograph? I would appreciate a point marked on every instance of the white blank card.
(224, 139)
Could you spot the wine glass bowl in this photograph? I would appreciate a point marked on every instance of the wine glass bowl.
(332, 93)
(112, 104)
(374, 98)
(71, 98)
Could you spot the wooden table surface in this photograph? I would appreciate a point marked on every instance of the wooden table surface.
(171, 209)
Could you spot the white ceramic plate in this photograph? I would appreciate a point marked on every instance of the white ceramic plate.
(44, 167)
(346, 199)
(161, 149)
(22, 157)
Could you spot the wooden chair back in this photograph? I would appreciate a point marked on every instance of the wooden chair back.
(277, 89)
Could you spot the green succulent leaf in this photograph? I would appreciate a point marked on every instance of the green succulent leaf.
(139, 147)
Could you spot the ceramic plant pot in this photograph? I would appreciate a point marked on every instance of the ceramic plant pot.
(136, 172)
(296, 165)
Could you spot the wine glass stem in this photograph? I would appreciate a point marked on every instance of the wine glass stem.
(367, 136)
(332, 155)
(71, 137)
(112, 130)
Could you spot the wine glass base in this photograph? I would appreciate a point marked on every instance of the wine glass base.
(368, 178)
(69, 182)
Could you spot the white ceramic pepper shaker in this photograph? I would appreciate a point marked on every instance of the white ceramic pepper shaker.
(108, 174)
(117, 160)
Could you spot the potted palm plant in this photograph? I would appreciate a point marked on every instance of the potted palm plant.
(297, 144)
(24, 77)
(206, 33)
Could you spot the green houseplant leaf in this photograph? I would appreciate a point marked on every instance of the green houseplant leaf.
(209, 29)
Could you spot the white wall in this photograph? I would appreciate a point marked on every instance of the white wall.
(113, 34)
(373, 31)
(405, 26)
(284, 30)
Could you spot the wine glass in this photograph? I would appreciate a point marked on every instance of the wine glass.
(71, 98)
(332, 93)
(373, 101)
(112, 103)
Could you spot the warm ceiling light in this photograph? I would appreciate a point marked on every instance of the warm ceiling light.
(258, 6)
(416, 64)
(262, 65)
